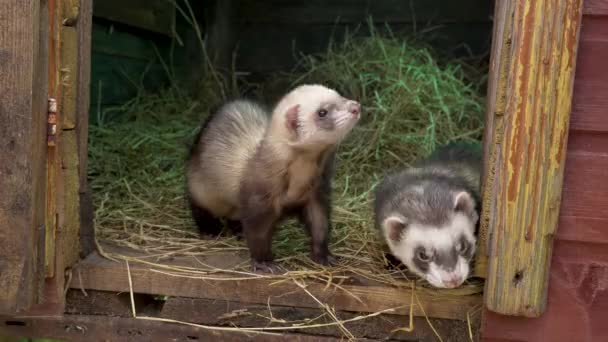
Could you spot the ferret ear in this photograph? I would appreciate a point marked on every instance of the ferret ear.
(393, 227)
(463, 202)
(291, 118)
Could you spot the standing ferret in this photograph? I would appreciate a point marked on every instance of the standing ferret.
(256, 168)
(428, 214)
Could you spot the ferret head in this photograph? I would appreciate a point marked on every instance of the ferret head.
(314, 115)
(433, 234)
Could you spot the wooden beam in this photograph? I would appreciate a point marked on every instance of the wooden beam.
(23, 113)
(98, 273)
(495, 107)
(118, 329)
(528, 144)
(214, 312)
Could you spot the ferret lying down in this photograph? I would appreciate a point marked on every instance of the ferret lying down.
(428, 214)
(254, 167)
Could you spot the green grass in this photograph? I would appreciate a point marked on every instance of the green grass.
(411, 101)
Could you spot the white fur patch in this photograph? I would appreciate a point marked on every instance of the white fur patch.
(433, 239)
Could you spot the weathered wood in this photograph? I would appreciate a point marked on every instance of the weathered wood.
(152, 15)
(98, 273)
(228, 313)
(349, 11)
(85, 27)
(68, 73)
(23, 85)
(495, 106)
(117, 329)
(530, 138)
(52, 165)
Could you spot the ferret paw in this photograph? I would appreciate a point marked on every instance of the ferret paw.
(325, 260)
(266, 267)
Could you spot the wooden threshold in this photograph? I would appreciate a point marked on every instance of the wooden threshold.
(98, 273)
(107, 328)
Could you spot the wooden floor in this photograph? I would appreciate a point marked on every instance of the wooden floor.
(352, 294)
(99, 306)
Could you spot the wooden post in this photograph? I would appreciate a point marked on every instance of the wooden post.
(23, 118)
(533, 69)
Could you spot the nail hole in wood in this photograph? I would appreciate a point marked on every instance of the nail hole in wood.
(519, 275)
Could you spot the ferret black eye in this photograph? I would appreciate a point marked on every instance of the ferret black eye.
(423, 256)
(322, 113)
(461, 247)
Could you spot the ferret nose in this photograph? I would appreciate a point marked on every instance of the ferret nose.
(354, 107)
(453, 281)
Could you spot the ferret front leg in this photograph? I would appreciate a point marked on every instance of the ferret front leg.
(315, 216)
(258, 228)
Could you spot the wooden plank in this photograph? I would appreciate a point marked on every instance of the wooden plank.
(584, 229)
(85, 23)
(118, 329)
(529, 164)
(585, 187)
(68, 73)
(52, 165)
(97, 273)
(595, 7)
(589, 106)
(349, 11)
(581, 252)
(23, 85)
(495, 107)
(590, 87)
(228, 313)
(152, 15)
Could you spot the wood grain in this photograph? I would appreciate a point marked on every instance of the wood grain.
(229, 313)
(531, 139)
(495, 107)
(119, 329)
(68, 72)
(85, 26)
(23, 85)
(101, 274)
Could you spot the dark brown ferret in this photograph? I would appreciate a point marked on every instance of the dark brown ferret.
(257, 168)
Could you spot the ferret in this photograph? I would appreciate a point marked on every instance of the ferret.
(428, 214)
(255, 168)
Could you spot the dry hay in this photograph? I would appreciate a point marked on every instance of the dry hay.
(411, 103)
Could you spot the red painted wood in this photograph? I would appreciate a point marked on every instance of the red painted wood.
(581, 252)
(585, 189)
(590, 103)
(584, 229)
(595, 7)
(587, 142)
(577, 309)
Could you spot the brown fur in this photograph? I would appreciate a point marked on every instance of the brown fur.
(260, 169)
(299, 184)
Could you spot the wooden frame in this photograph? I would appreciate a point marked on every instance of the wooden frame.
(526, 133)
(23, 143)
(531, 75)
